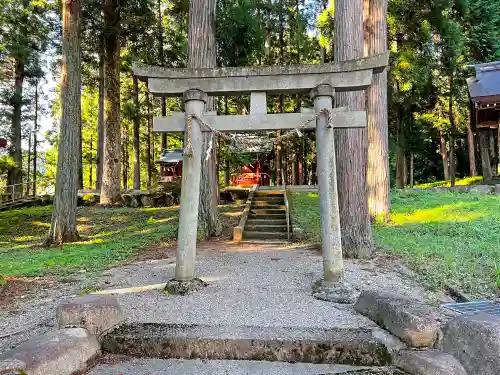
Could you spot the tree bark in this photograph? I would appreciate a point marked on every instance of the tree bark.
(164, 140)
(110, 191)
(351, 145)
(378, 123)
(452, 135)
(202, 53)
(14, 174)
(472, 151)
(35, 140)
(125, 157)
(412, 170)
(148, 143)
(63, 228)
(137, 125)
(493, 154)
(100, 118)
(484, 145)
(444, 154)
(400, 152)
(28, 174)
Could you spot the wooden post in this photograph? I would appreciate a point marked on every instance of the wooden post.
(333, 264)
(191, 171)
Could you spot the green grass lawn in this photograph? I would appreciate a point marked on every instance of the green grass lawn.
(111, 236)
(447, 237)
(459, 182)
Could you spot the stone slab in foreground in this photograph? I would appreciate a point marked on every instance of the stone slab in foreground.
(475, 342)
(198, 367)
(96, 313)
(429, 362)
(409, 320)
(367, 347)
(60, 352)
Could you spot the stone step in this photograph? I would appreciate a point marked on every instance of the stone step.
(252, 221)
(268, 211)
(265, 228)
(268, 207)
(268, 193)
(254, 216)
(264, 235)
(265, 242)
(348, 346)
(140, 366)
(279, 202)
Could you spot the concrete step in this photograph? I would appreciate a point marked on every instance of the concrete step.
(138, 366)
(269, 198)
(265, 228)
(252, 221)
(347, 346)
(268, 211)
(251, 235)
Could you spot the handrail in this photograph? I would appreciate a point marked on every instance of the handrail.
(287, 206)
(19, 195)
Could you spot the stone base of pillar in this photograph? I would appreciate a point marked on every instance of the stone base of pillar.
(184, 287)
(337, 292)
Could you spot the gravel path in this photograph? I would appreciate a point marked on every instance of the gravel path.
(259, 286)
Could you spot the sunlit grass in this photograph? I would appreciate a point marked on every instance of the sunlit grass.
(460, 182)
(109, 237)
(447, 237)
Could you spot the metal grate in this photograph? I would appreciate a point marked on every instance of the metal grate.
(474, 307)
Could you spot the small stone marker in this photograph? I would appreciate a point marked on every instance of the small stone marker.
(96, 313)
(409, 320)
(429, 362)
(62, 352)
(475, 341)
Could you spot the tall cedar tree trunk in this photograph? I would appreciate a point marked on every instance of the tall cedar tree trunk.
(91, 149)
(378, 125)
(471, 147)
(444, 154)
(452, 135)
(110, 190)
(125, 159)
(412, 170)
(148, 143)
(14, 174)
(493, 154)
(203, 54)
(161, 53)
(137, 125)
(484, 146)
(351, 145)
(28, 174)
(100, 118)
(63, 228)
(35, 140)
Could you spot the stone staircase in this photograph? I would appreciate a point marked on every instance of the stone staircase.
(267, 221)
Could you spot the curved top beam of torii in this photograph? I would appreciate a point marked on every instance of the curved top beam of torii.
(343, 76)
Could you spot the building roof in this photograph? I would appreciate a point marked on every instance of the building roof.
(170, 157)
(485, 86)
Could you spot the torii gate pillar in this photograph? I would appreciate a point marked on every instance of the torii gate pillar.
(185, 280)
(331, 244)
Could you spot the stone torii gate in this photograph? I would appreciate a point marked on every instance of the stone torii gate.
(321, 81)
